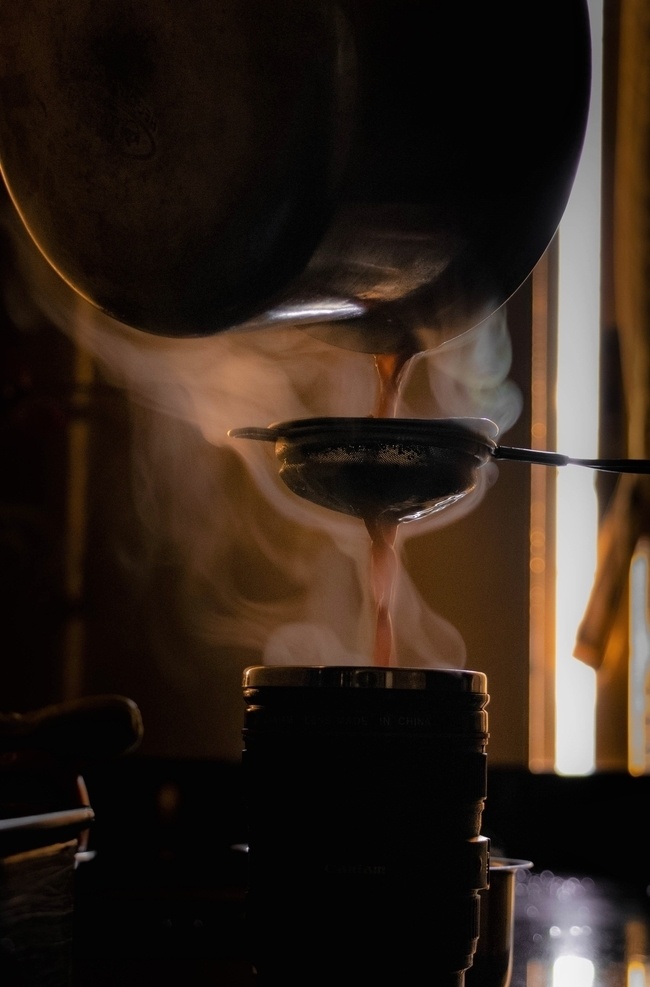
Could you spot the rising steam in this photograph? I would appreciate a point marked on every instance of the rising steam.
(263, 570)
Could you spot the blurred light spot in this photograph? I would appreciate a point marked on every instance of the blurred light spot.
(168, 798)
(636, 974)
(573, 971)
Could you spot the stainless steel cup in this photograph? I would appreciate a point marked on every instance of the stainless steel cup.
(492, 966)
(364, 793)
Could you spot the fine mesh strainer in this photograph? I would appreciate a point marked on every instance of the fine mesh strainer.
(399, 469)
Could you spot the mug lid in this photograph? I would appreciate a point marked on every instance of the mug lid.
(446, 680)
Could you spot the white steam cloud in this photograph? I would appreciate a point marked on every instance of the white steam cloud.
(263, 569)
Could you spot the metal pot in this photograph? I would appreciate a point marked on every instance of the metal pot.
(392, 169)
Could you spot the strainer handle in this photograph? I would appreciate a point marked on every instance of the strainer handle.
(543, 458)
(254, 432)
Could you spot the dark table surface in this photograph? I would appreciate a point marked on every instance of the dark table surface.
(160, 898)
(571, 930)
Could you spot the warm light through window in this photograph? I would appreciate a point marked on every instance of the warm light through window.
(577, 434)
(639, 677)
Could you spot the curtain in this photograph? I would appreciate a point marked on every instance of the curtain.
(603, 635)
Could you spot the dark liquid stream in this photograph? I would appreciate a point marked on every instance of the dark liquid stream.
(383, 570)
(382, 530)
